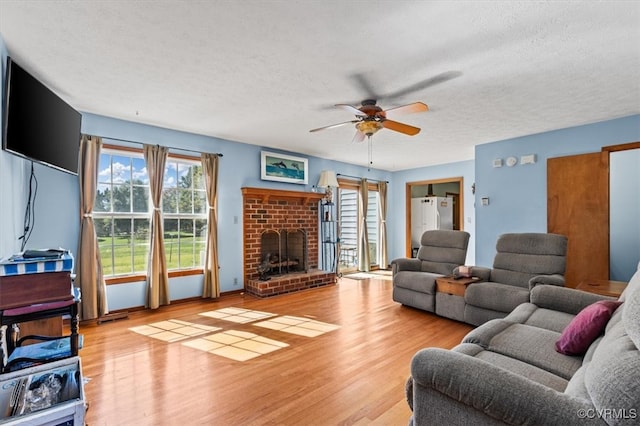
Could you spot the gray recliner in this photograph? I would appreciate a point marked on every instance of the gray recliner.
(522, 261)
(414, 280)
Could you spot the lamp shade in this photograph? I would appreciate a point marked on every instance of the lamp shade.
(328, 179)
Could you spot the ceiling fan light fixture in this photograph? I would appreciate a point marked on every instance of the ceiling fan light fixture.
(369, 127)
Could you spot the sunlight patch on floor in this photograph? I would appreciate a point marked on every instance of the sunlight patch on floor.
(298, 325)
(236, 345)
(173, 330)
(238, 315)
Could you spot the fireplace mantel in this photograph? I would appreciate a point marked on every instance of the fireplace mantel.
(266, 194)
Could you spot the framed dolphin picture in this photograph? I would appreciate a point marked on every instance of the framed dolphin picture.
(284, 168)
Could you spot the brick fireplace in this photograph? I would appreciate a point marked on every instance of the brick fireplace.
(268, 212)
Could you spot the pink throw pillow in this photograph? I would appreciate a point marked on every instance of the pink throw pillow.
(586, 327)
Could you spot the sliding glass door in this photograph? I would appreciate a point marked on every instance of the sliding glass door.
(348, 222)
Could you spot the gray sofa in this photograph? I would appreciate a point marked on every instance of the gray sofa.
(522, 261)
(414, 280)
(507, 371)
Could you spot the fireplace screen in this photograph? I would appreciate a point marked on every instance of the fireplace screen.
(283, 251)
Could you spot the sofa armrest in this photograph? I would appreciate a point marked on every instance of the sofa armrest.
(553, 279)
(481, 272)
(563, 299)
(405, 264)
(476, 389)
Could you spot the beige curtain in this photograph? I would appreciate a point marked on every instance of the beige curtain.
(157, 276)
(382, 219)
(89, 272)
(211, 287)
(364, 263)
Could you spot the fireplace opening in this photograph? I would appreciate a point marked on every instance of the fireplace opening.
(283, 252)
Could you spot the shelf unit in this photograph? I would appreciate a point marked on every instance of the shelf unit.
(329, 239)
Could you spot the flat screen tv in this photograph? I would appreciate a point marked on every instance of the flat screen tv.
(38, 124)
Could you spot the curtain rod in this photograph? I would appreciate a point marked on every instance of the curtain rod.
(356, 177)
(142, 143)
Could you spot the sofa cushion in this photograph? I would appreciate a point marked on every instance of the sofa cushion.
(586, 327)
(516, 366)
(424, 282)
(496, 296)
(522, 256)
(530, 314)
(528, 344)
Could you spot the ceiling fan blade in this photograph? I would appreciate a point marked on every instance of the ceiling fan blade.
(400, 127)
(333, 125)
(358, 137)
(365, 86)
(406, 109)
(351, 109)
(437, 79)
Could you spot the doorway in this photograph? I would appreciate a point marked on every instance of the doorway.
(445, 187)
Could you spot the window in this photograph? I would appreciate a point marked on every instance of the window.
(122, 212)
(184, 206)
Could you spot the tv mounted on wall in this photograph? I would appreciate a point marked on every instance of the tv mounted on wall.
(38, 124)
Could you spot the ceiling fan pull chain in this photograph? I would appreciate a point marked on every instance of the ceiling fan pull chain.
(370, 149)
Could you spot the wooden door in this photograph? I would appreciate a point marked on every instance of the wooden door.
(578, 207)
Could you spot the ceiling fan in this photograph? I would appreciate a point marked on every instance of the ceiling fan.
(370, 118)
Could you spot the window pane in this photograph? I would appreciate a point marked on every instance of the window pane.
(104, 169)
(105, 241)
(200, 241)
(140, 244)
(170, 175)
(171, 243)
(184, 175)
(186, 244)
(170, 200)
(103, 198)
(200, 202)
(198, 180)
(139, 171)
(123, 262)
(140, 198)
(185, 201)
(120, 169)
(121, 196)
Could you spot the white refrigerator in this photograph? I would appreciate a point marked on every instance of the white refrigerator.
(429, 213)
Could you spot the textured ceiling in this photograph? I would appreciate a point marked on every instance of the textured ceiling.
(265, 72)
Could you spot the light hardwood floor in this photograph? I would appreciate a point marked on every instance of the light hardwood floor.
(354, 375)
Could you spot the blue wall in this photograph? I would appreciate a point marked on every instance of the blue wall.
(518, 194)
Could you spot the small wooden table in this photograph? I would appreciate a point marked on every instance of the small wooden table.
(454, 286)
(450, 296)
(603, 287)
